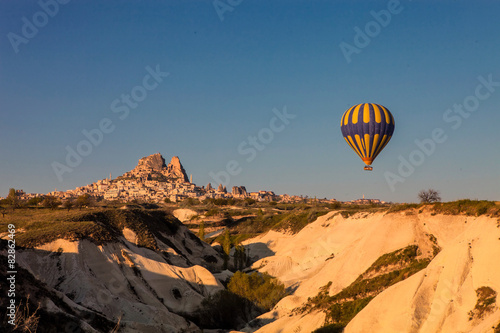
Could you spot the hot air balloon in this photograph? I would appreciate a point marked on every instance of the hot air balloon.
(367, 128)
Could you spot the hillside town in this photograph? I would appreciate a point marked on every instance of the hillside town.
(154, 181)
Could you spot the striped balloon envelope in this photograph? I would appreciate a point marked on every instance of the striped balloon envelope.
(367, 128)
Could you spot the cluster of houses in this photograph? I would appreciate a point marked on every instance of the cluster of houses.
(154, 181)
(143, 189)
(127, 190)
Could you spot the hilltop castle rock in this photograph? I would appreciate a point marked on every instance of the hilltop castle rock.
(153, 180)
(153, 167)
(175, 169)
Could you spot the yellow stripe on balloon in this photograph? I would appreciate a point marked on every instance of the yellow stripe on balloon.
(386, 142)
(360, 145)
(380, 146)
(378, 114)
(346, 116)
(383, 145)
(366, 113)
(349, 143)
(387, 118)
(353, 145)
(367, 144)
(356, 114)
(374, 146)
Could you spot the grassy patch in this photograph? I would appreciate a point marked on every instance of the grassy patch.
(399, 257)
(38, 233)
(332, 328)
(486, 299)
(261, 289)
(402, 207)
(467, 207)
(247, 296)
(40, 226)
(386, 271)
(261, 222)
(341, 314)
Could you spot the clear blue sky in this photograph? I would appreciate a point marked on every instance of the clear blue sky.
(226, 77)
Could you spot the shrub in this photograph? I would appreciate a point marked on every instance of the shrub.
(332, 328)
(220, 201)
(335, 205)
(51, 202)
(486, 299)
(342, 313)
(35, 201)
(68, 204)
(250, 201)
(261, 289)
(225, 310)
(466, 206)
(212, 212)
(188, 202)
(83, 200)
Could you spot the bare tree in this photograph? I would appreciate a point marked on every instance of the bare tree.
(429, 196)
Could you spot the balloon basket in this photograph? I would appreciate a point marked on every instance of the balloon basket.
(368, 168)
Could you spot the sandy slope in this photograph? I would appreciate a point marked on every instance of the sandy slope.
(439, 298)
(339, 250)
(122, 279)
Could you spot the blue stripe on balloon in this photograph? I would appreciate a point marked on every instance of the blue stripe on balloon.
(371, 128)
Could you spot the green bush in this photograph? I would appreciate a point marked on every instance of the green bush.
(261, 289)
(402, 256)
(225, 310)
(486, 300)
(220, 201)
(342, 313)
(212, 212)
(332, 328)
(335, 205)
(35, 201)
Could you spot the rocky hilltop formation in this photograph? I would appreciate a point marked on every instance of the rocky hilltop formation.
(153, 167)
(153, 180)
